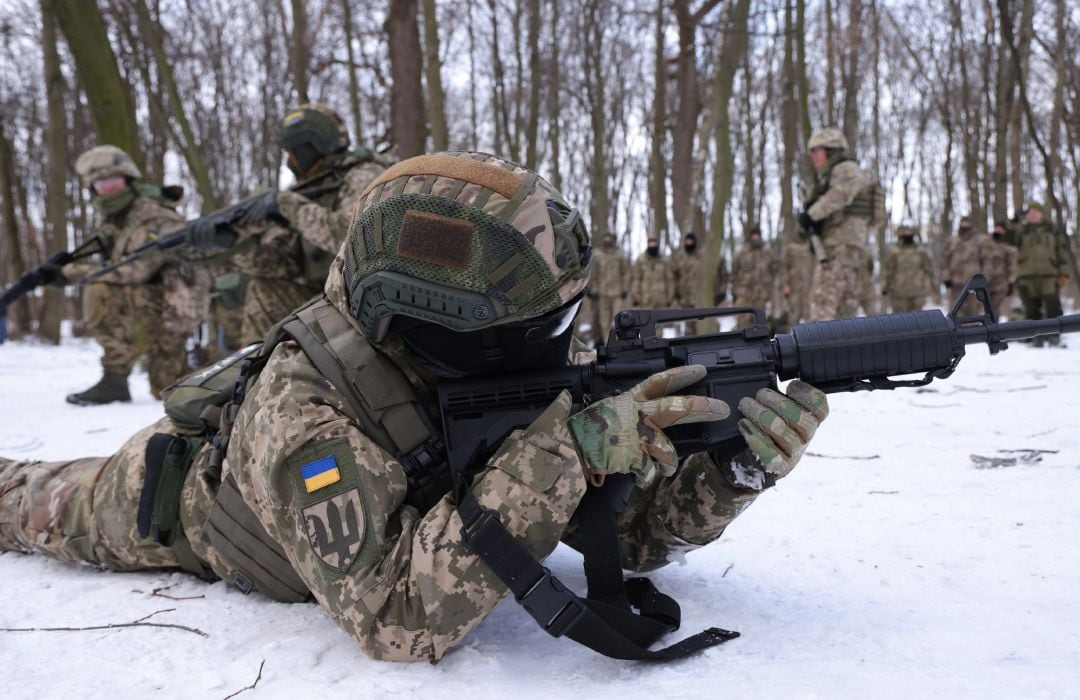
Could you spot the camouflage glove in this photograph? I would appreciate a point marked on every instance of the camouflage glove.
(289, 204)
(624, 434)
(778, 428)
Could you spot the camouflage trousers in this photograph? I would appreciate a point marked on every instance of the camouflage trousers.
(904, 304)
(115, 315)
(1040, 295)
(606, 308)
(797, 305)
(999, 297)
(834, 291)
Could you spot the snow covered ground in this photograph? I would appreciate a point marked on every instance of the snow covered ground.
(887, 565)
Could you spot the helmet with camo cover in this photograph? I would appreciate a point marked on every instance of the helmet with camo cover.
(466, 241)
(309, 134)
(105, 161)
(829, 138)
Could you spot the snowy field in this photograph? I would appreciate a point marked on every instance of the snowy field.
(890, 564)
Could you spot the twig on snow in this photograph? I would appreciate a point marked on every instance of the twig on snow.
(250, 687)
(141, 622)
(862, 457)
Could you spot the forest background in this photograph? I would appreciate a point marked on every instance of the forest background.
(659, 116)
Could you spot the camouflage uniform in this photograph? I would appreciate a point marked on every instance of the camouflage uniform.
(1043, 261)
(867, 294)
(843, 232)
(1001, 271)
(653, 284)
(609, 287)
(153, 294)
(752, 274)
(907, 277)
(798, 270)
(966, 254)
(690, 279)
(398, 580)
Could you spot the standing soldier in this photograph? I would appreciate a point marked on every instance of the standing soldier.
(907, 274)
(1043, 267)
(608, 285)
(838, 209)
(282, 250)
(752, 272)
(867, 294)
(154, 294)
(653, 285)
(1002, 268)
(968, 253)
(689, 278)
(798, 269)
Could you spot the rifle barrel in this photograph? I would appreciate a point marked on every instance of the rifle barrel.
(1019, 330)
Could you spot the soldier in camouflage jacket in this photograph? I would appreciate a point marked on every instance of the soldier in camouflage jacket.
(394, 575)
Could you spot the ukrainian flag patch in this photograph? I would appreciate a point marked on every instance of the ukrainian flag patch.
(320, 473)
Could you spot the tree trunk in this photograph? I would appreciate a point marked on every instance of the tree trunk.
(298, 50)
(851, 79)
(729, 56)
(554, 97)
(593, 31)
(533, 128)
(788, 128)
(657, 164)
(830, 64)
(19, 312)
(440, 135)
(1003, 108)
(408, 127)
(354, 83)
(55, 187)
(112, 106)
(803, 83)
(192, 150)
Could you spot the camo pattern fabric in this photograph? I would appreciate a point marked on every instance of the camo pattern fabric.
(325, 221)
(82, 510)
(797, 269)
(1002, 267)
(690, 282)
(624, 434)
(907, 277)
(609, 287)
(752, 274)
(778, 427)
(157, 295)
(867, 293)
(966, 254)
(652, 283)
(834, 293)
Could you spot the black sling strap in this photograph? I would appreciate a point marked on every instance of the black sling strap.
(603, 622)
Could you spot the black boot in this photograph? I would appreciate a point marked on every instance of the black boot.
(112, 387)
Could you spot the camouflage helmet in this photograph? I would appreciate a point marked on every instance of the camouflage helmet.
(105, 161)
(828, 138)
(316, 124)
(463, 240)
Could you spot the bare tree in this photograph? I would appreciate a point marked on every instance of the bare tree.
(408, 125)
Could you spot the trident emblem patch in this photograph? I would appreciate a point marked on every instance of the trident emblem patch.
(335, 529)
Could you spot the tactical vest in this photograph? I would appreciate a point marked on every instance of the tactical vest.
(869, 203)
(378, 398)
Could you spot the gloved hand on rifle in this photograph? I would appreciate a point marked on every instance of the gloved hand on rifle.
(777, 429)
(208, 234)
(807, 226)
(263, 208)
(625, 433)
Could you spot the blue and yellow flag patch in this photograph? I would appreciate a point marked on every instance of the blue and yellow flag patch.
(320, 473)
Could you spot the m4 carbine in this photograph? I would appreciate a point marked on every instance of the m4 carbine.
(44, 274)
(224, 219)
(852, 354)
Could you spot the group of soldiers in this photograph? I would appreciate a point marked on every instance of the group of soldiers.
(831, 274)
(244, 276)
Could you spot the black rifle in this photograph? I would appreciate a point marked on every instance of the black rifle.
(226, 218)
(853, 354)
(44, 274)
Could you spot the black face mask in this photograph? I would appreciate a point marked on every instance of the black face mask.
(536, 343)
(608, 244)
(907, 240)
(303, 158)
(689, 247)
(998, 235)
(653, 250)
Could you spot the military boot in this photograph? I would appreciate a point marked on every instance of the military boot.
(112, 387)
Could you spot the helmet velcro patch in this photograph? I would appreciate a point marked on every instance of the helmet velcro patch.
(436, 239)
